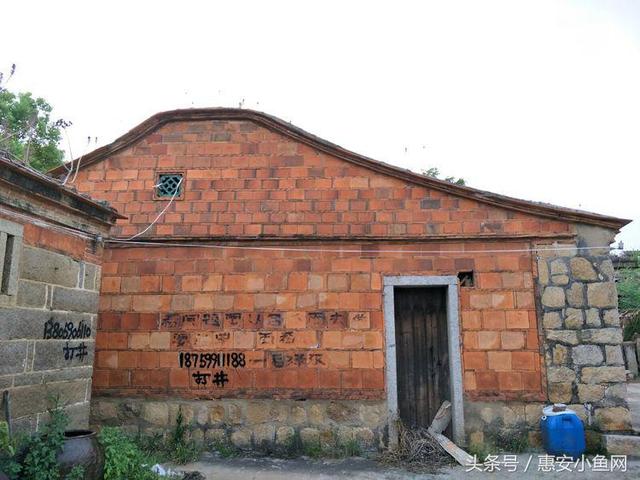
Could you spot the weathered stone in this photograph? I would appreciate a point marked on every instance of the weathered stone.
(606, 269)
(603, 374)
(371, 415)
(241, 438)
(593, 318)
(156, 413)
(553, 297)
(587, 355)
(629, 349)
(216, 435)
(75, 300)
(37, 398)
(590, 393)
(575, 295)
(104, 411)
(345, 434)
(614, 355)
(14, 357)
(560, 279)
(616, 392)
(574, 318)
(560, 392)
(197, 435)
(298, 415)
(68, 374)
(364, 436)
(543, 272)
(309, 435)
(559, 266)
(628, 445)
(27, 379)
(532, 413)
(581, 269)
(560, 355)
(216, 414)
(234, 414)
(91, 273)
(31, 294)
(202, 416)
(50, 354)
(257, 412)
(264, 434)
(568, 337)
(613, 419)
(602, 295)
(561, 375)
(22, 323)
(341, 412)
(187, 413)
(48, 267)
(579, 409)
(552, 320)
(602, 335)
(316, 414)
(284, 435)
(611, 317)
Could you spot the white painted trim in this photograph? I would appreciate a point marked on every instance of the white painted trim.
(455, 357)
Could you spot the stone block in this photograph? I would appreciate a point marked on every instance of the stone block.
(611, 336)
(613, 419)
(558, 267)
(606, 269)
(345, 435)
(309, 435)
(582, 269)
(91, 273)
(574, 319)
(68, 373)
(156, 413)
(241, 438)
(298, 415)
(552, 320)
(568, 337)
(372, 416)
(51, 354)
(48, 267)
(603, 374)
(234, 414)
(561, 375)
(630, 359)
(602, 295)
(560, 279)
(364, 436)
(264, 434)
(14, 357)
(75, 300)
(553, 297)
(560, 355)
(27, 379)
(31, 294)
(216, 414)
(316, 414)
(216, 435)
(593, 318)
(560, 392)
(590, 393)
(575, 295)
(341, 412)
(614, 355)
(284, 435)
(543, 272)
(36, 398)
(611, 317)
(22, 323)
(587, 355)
(622, 444)
(616, 393)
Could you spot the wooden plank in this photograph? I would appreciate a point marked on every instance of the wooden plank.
(442, 418)
(462, 457)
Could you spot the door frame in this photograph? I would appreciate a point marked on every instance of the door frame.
(453, 340)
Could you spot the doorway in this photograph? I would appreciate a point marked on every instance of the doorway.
(423, 360)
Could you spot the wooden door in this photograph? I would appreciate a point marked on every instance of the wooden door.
(422, 353)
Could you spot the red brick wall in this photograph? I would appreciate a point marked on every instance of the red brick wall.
(243, 180)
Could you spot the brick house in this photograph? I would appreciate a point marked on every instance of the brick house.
(290, 286)
(50, 257)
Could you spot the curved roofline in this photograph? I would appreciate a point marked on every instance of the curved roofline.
(201, 114)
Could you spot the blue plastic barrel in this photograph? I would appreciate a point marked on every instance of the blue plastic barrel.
(562, 432)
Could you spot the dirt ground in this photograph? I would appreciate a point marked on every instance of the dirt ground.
(217, 468)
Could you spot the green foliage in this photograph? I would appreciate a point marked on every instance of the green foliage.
(632, 328)
(480, 450)
(124, 460)
(42, 448)
(8, 463)
(176, 447)
(629, 286)
(225, 449)
(76, 473)
(434, 172)
(27, 131)
(512, 439)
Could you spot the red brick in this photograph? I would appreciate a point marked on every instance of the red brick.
(475, 360)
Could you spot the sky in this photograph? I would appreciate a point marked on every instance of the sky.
(534, 99)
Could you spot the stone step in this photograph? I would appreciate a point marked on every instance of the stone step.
(622, 444)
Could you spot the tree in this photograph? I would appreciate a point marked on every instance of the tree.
(27, 131)
(435, 173)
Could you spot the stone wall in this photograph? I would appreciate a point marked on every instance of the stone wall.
(47, 329)
(251, 424)
(583, 337)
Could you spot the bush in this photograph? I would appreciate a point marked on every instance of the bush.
(123, 459)
(176, 447)
(632, 328)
